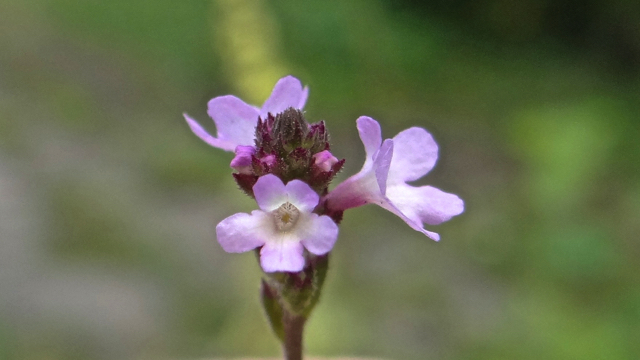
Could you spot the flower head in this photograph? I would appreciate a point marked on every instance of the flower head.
(236, 121)
(388, 167)
(284, 226)
(287, 146)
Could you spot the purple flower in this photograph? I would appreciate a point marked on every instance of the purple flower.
(236, 121)
(387, 169)
(284, 226)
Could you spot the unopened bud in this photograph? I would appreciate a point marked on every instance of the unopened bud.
(242, 161)
(324, 160)
(268, 160)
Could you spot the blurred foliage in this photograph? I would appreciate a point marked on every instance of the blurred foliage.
(110, 203)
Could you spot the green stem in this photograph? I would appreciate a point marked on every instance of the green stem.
(289, 298)
(293, 328)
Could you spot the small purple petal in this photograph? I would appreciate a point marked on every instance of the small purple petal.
(426, 203)
(415, 224)
(301, 195)
(235, 120)
(318, 234)
(414, 155)
(269, 192)
(206, 137)
(381, 164)
(282, 255)
(286, 93)
(370, 135)
(243, 232)
(242, 161)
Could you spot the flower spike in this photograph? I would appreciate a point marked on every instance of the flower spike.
(286, 165)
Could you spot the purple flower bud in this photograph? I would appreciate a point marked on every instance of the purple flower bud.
(242, 161)
(324, 160)
(268, 160)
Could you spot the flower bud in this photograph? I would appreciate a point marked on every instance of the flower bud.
(324, 161)
(268, 160)
(242, 161)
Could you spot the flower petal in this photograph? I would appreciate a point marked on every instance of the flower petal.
(303, 98)
(371, 137)
(235, 120)
(415, 224)
(243, 232)
(286, 93)
(426, 203)
(382, 162)
(318, 233)
(206, 137)
(282, 255)
(415, 154)
(301, 195)
(269, 192)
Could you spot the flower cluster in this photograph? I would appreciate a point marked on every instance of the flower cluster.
(290, 148)
(286, 164)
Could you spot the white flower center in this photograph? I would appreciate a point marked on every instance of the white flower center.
(286, 216)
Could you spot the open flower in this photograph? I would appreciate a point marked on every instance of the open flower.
(284, 226)
(236, 121)
(387, 169)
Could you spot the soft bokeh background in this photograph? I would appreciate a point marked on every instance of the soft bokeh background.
(108, 202)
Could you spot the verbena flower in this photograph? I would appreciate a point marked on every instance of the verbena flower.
(284, 226)
(388, 167)
(236, 120)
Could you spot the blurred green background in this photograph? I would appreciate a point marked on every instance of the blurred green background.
(108, 203)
